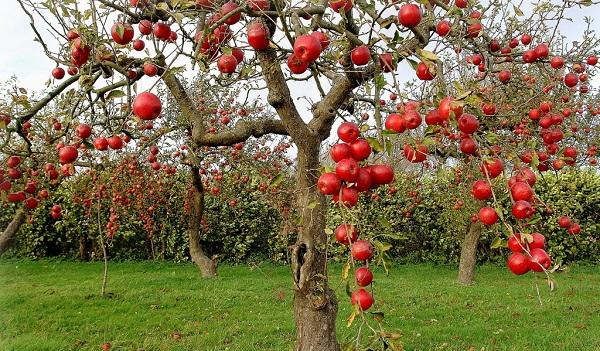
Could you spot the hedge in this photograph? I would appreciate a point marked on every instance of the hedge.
(417, 219)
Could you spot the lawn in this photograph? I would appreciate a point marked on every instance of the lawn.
(51, 305)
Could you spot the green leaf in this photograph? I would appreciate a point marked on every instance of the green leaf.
(384, 222)
(120, 29)
(114, 94)
(162, 6)
(496, 243)
(277, 180)
(375, 144)
(518, 11)
(178, 17)
(464, 95)
(355, 312)
(412, 63)
(312, 204)
(175, 70)
(380, 82)
(389, 147)
(428, 55)
(492, 137)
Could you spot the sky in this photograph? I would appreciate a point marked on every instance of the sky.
(23, 57)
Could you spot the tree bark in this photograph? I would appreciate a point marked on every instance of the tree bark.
(206, 265)
(85, 247)
(12, 229)
(468, 254)
(315, 304)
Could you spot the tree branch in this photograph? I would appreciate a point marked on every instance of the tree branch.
(280, 97)
(43, 102)
(242, 131)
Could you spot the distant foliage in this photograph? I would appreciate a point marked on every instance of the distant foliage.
(418, 219)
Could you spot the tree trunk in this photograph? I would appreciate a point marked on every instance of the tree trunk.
(468, 254)
(85, 247)
(207, 266)
(12, 229)
(315, 304)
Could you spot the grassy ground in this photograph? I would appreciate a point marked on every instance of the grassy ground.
(51, 305)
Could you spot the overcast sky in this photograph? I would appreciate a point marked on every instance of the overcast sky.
(23, 57)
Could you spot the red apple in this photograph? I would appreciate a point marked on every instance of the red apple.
(348, 132)
(360, 55)
(363, 298)
(83, 131)
(229, 7)
(145, 27)
(122, 33)
(258, 35)
(58, 73)
(481, 190)
(307, 48)
(518, 263)
(139, 45)
(67, 154)
(521, 191)
(410, 15)
(488, 215)
(360, 149)
(147, 106)
(395, 122)
(381, 174)
(564, 221)
(468, 123)
(362, 250)
(329, 184)
(540, 260)
(442, 28)
(115, 142)
(101, 144)
(363, 276)
(346, 234)
(347, 170)
(340, 151)
(515, 243)
(522, 209)
(227, 63)
(296, 65)
(162, 31)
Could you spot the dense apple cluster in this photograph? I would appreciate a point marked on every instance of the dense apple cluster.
(350, 178)
(20, 184)
(345, 183)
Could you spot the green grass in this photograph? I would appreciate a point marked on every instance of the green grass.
(50, 305)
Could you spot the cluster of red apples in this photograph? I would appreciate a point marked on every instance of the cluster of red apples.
(345, 184)
(350, 178)
(528, 249)
(362, 251)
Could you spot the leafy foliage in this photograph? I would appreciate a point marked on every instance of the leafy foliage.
(419, 220)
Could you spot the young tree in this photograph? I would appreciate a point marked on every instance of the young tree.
(348, 53)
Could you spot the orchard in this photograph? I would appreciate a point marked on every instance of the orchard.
(318, 133)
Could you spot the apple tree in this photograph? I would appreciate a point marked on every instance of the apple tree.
(340, 57)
